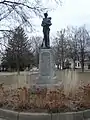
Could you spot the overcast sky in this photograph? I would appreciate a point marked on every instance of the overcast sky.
(71, 13)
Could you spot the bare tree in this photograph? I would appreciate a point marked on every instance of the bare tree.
(57, 52)
(21, 11)
(60, 48)
(82, 36)
(36, 44)
(72, 44)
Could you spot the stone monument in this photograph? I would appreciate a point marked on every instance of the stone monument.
(46, 60)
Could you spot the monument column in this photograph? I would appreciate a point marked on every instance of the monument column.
(46, 60)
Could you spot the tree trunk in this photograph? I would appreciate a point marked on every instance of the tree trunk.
(62, 64)
(82, 60)
(62, 61)
(58, 66)
(74, 65)
(18, 65)
(62, 53)
(82, 65)
(37, 60)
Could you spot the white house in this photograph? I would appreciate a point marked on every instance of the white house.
(78, 64)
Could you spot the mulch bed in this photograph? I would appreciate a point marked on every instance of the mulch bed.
(45, 100)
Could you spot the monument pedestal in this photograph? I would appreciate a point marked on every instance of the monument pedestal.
(46, 67)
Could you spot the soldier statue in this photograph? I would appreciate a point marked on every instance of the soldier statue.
(46, 23)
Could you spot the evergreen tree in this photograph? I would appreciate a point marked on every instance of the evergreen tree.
(18, 54)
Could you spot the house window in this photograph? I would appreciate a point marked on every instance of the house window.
(75, 64)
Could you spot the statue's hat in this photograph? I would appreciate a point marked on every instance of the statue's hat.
(45, 14)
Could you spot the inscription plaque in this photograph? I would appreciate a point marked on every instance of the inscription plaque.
(45, 63)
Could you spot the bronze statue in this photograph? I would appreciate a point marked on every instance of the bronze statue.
(46, 23)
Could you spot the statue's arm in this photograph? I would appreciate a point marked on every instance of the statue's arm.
(43, 23)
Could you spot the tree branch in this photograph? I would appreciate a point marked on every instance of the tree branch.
(19, 3)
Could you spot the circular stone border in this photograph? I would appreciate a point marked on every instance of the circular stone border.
(12, 115)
